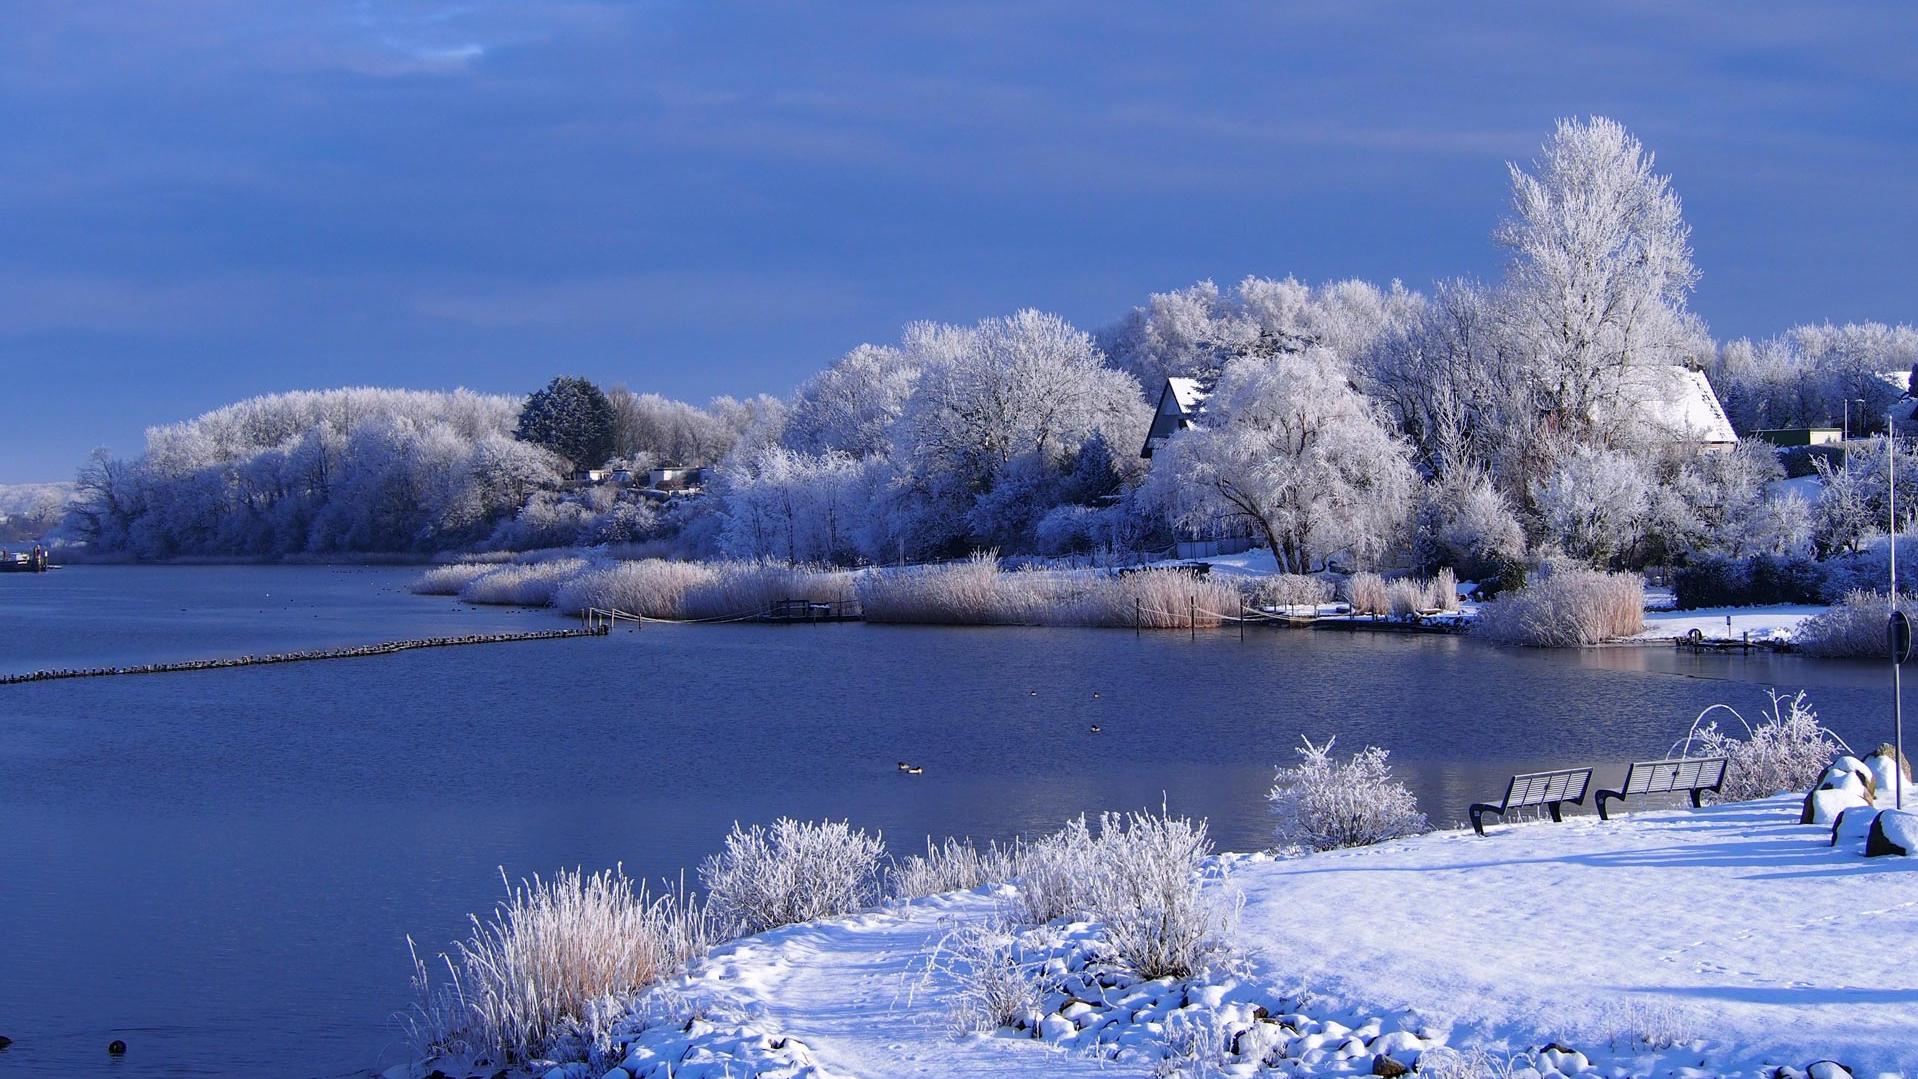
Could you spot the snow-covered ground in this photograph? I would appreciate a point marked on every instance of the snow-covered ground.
(1777, 622)
(1723, 941)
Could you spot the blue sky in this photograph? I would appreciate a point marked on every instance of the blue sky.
(205, 199)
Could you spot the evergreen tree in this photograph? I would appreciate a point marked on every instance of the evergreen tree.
(571, 417)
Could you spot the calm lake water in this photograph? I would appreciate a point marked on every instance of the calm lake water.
(221, 867)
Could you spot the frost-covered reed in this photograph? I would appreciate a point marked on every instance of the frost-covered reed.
(1853, 628)
(747, 589)
(554, 960)
(1366, 593)
(952, 866)
(978, 592)
(1786, 750)
(654, 588)
(795, 871)
(1324, 804)
(449, 580)
(993, 983)
(522, 585)
(1568, 608)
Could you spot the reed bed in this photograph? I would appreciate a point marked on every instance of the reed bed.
(1853, 628)
(977, 592)
(1367, 593)
(449, 580)
(1566, 609)
(654, 588)
(522, 585)
(746, 589)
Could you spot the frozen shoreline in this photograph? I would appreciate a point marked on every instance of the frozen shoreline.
(1724, 941)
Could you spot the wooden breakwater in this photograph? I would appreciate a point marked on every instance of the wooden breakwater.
(357, 651)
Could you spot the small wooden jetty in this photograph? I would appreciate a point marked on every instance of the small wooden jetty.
(790, 611)
(598, 629)
(35, 561)
(1696, 641)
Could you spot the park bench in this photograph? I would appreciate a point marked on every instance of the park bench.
(1693, 775)
(1548, 789)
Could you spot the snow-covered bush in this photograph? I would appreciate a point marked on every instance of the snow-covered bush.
(955, 865)
(1323, 804)
(994, 983)
(1717, 581)
(522, 585)
(543, 965)
(1595, 503)
(448, 580)
(653, 587)
(1156, 915)
(1410, 595)
(1787, 750)
(1368, 594)
(792, 872)
(1291, 590)
(1567, 608)
(1053, 871)
(1853, 628)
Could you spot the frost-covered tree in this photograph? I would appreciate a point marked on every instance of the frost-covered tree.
(851, 406)
(649, 429)
(1465, 523)
(1600, 268)
(1816, 376)
(1291, 447)
(572, 418)
(796, 507)
(1594, 503)
(1450, 380)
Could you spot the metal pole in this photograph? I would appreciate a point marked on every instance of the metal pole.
(1897, 696)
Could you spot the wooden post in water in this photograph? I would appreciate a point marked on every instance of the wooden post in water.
(1192, 615)
(1138, 615)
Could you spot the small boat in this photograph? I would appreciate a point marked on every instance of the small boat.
(16, 562)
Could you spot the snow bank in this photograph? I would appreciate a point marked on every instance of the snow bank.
(1777, 622)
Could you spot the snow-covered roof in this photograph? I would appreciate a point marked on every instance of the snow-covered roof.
(1680, 401)
(1188, 392)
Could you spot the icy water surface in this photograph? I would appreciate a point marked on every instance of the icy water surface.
(220, 868)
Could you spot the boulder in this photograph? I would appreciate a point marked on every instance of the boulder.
(1852, 825)
(1828, 1069)
(1887, 766)
(1893, 831)
(1848, 772)
(1389, 1068)
(1822, 806)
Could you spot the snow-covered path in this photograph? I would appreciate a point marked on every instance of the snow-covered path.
(853, 990)
(1731, 924)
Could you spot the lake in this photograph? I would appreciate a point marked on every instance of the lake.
(221, 867)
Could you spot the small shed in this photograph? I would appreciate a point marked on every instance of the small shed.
(676, 478)
(1801, 436)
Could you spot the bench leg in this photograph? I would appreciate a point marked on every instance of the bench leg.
(1600, 800)
(1697, 793)
(1553, 806)
(1478, 812)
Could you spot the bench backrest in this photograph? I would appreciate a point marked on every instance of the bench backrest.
(1539, 788)
(1675, 774)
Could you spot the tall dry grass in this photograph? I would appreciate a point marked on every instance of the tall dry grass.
(1569, 608)
(654, 588)
(978, 592)
(794, 871)
(548, 962)
(953, 866)
(1853, 628)
(1291, 590)
(1366, 593)
(522, 585)
(448, 580)
(745, 589)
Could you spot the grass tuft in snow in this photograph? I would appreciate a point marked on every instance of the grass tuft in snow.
(1570, 607)
(1787, 750)
(795, 871)
(555, 960)
(953, 866)
(993, 983)
(1323, 804)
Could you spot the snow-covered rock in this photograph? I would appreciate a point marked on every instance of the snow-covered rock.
(1823, 805)
(1893, 831)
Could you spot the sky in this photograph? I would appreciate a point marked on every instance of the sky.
(201, 200)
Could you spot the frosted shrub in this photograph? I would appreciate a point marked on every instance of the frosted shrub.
(1568, 608)
(793, 872)
(546, 963)
(1367, 594)
(1854, 628)
(1053, 871)
(448, 580)
(1322, 804)
(653, 587)
(994, 983)
(1291, 590)
(521, 585)
(1787, 750)
(1157, 916)
(1139, 878)
(953, 866)
(1443, 590)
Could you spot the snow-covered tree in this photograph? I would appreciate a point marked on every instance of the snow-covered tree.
(1595, 502)
(1465, 523)
(1599, 274)
(1291, 447)
(851, 406)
